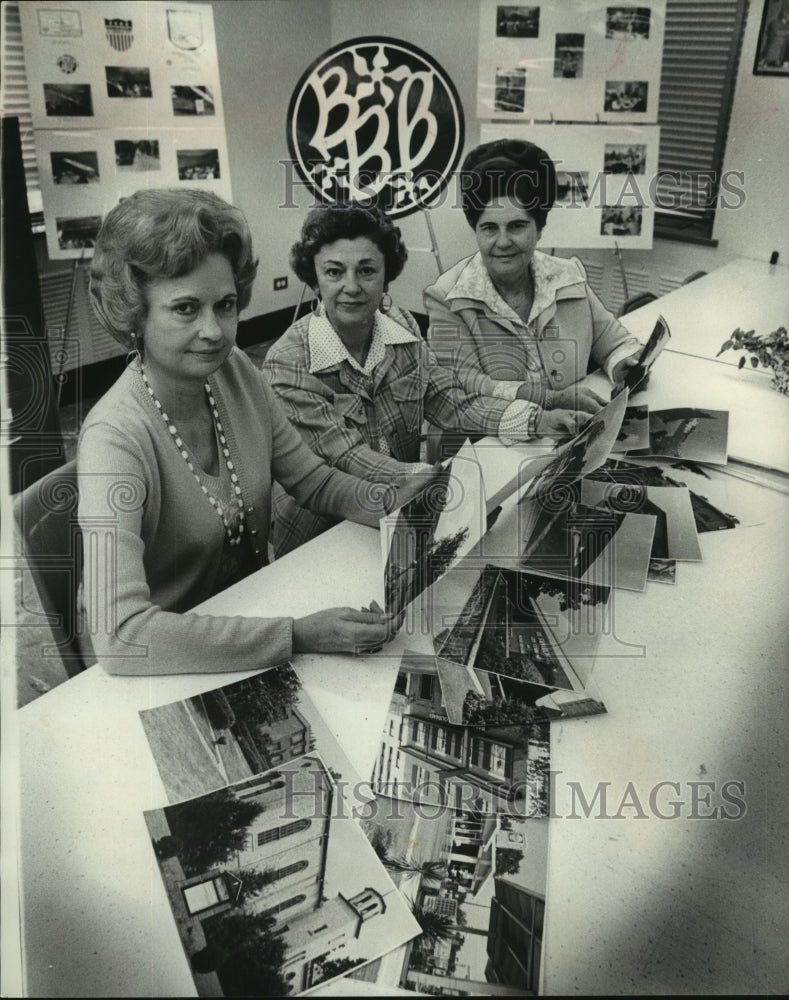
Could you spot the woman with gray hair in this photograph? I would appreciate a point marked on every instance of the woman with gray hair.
(176, 462)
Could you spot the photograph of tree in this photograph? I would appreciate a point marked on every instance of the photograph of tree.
(432, 532)
(477, 887)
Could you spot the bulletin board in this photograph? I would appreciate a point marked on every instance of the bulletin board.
(578, 60)
(123, 95)
(606, 177)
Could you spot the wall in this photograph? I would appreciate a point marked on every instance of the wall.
(448, 29)
(265, 45)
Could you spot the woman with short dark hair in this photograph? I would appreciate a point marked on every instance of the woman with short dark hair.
(527, 319)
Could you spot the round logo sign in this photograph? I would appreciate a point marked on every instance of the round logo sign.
(376, 120)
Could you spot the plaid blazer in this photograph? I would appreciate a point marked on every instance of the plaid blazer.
(348, 416)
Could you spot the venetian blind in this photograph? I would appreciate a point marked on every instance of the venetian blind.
(15, 100)
(701, 53)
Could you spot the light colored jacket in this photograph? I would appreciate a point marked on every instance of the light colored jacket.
(473, 330)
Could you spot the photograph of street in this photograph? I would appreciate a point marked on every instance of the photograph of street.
(477, 887)
(531, 628)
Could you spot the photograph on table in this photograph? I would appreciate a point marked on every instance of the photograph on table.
(658, 339)
(432, 532)
(137, 154)
(708, 494)
(273, 886)
(535, 630)
(675, 529)
(236, 731)
(75, 168)
(568, 60)
(634, 432)
(627, 22)
(477, 887)
(578, 457)
(571, 540)
(426, 759)
(688, 432)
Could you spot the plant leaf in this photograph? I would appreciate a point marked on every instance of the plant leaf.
(742, 362)
(755, 362)
(724, 347)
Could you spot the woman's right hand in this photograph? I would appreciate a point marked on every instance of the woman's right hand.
(561, 423)
(343, 630)
(575, 397)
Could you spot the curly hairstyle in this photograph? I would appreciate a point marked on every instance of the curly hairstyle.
(347, 221)
(163, 233)
(508, 168)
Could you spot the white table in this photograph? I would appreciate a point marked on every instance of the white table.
(745, 293)
(634, 905)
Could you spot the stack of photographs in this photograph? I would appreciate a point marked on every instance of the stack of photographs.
(272, 883)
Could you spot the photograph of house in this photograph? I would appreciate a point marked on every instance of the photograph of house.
(272, 887)
(498, 767)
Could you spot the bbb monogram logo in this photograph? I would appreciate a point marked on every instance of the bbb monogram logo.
(377, 120)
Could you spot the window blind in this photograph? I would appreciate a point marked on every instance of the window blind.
(701, 53)
(15, 102)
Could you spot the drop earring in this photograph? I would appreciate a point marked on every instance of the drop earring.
(386, 303)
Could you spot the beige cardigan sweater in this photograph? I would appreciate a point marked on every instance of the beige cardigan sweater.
(153, 544)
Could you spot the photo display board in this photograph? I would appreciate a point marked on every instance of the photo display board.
(571, 61)
(606, 176)
(123, 96)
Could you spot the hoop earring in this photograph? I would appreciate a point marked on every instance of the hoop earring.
(386, 303)
(135, 353)
(316, 305)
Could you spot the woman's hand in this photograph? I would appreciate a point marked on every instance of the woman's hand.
(575, 397)
(622, 368)
(344, 630)
(561, 423)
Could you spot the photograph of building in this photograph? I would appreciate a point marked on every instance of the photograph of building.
(476, 885)
(261, 888)
(497, 768)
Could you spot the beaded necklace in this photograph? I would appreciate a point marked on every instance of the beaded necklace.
(215, 503)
